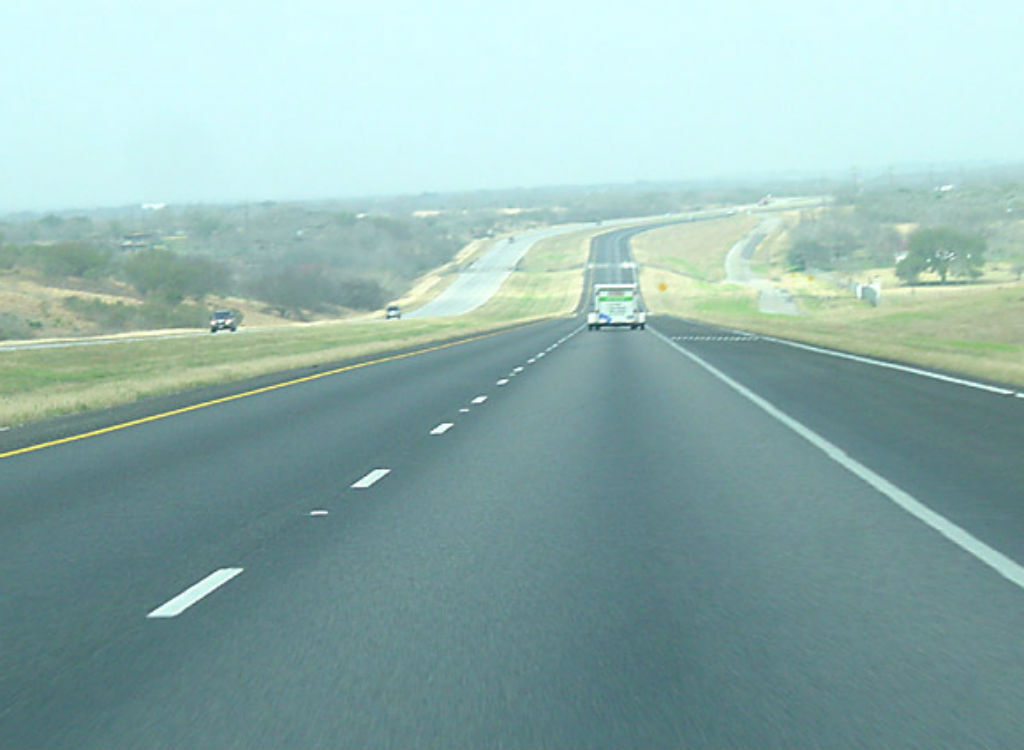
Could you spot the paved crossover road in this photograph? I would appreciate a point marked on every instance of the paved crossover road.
(544, 538)
(770, 298)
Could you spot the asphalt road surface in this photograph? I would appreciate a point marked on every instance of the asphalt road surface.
(683, 537)
(771, 299)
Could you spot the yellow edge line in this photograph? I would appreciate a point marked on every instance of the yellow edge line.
(245, 394)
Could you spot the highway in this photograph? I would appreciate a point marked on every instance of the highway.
(550, 537)
(611, 259)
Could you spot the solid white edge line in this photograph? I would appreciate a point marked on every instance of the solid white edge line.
(370, 479)
(893, 366)
(999, 562)
(195, 592)
(442, 428)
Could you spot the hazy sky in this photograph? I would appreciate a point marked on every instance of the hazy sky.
(173, 100)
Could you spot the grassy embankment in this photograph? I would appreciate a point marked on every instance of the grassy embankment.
(974, 329)
(688, 260)
(549, 280)
(40, 383)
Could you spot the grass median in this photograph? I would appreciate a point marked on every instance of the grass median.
(41, 383)
(695, 250)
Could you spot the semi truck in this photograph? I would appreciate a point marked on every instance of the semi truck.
(616, 305)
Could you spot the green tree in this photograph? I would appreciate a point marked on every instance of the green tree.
(361, 293)
(10, 255)
(807, 253)
(161, 274)
(315, 288)
(204, 224)
(69, 259)
(944, 251)
(292, 290)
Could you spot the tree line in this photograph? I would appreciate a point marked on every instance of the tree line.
(914, 232)
(294, 259)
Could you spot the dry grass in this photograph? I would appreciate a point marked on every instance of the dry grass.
(975, 334)
(31, 299)
(770, 256)
(28, 298)
(560, 253)
(975, 329)
(670, 293)
(696, 250)
(531, 295)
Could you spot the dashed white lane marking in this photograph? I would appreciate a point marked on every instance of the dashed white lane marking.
(370, 479)
(999, 562)
(530, 361)
(540, 356)
(715, 338)
(318, 512)
(442, 428)
(464, 410)
(894, 366)
(478, 400)
(503, 381)
(517, 370)
(194, 593)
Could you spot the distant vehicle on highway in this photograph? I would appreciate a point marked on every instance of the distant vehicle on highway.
(392, 312)
(224, 320)
(616, 305)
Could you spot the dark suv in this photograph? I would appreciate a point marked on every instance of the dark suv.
(222, 320)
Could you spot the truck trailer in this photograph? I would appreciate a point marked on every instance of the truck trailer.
(616, 305)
